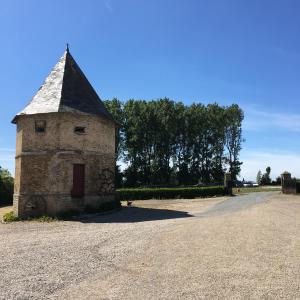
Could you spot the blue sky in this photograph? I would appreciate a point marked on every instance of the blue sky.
(233, 51)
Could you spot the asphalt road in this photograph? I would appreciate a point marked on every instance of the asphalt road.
(237, 203)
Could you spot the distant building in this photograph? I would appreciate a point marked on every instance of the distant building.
(65, 151)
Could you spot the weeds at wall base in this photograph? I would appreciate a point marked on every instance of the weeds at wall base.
(105, 207)
(10, 217)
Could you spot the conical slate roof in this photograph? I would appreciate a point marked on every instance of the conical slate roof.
(66, 89)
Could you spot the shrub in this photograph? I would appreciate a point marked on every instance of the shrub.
(10, 217)
(298, 185)
(169, 193)
(6, 187)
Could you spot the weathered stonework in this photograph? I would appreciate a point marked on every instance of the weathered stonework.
(288, 184)
(44, 160)
(44, 163)
(228, 183)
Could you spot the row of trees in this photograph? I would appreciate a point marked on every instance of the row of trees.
(164, 142)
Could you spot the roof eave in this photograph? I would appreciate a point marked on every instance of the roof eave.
(110, 118)
(14, 120)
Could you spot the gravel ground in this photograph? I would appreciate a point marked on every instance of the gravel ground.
(180, 249)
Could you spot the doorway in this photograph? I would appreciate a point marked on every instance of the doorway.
(78, 180)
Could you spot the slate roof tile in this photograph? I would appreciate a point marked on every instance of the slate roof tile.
(66, 89)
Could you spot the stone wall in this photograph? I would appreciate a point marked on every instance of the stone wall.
(59, 134)
(44, 163)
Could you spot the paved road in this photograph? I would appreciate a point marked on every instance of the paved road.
(237, 203)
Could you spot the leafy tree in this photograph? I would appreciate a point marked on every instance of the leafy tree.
(266, 179)
(6, 187)
(115, 107)
(233, 138)
(258, 177)
(278, 180)
(181, 143)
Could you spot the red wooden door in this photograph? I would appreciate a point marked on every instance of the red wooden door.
(78, 181)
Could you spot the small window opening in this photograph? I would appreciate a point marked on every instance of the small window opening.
(40, 126)
(79, 129)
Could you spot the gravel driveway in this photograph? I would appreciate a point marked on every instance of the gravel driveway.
(244, 247)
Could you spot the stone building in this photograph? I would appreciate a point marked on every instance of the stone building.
(65, 151)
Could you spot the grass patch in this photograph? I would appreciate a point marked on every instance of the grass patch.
(10, 217)
(254, 190)
(44, 219)
(169, 193)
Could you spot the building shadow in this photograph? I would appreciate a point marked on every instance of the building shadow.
(133, 215)
(5, 204)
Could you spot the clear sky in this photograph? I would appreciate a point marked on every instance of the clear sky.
(233, 51)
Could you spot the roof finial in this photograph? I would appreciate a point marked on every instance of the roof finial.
(67, 49)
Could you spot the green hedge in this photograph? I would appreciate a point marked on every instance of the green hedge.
(298, 186)
(170, 193)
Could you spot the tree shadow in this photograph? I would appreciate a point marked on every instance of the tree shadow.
(133, 215)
